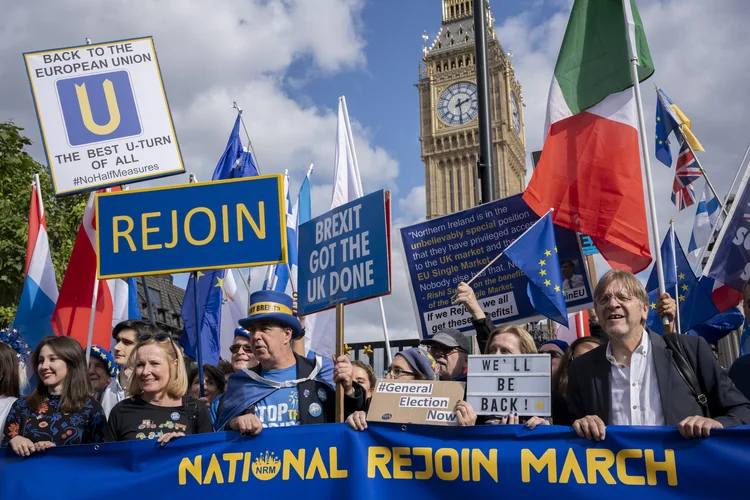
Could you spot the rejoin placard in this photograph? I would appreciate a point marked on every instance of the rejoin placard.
(344, 254)
(190, 227)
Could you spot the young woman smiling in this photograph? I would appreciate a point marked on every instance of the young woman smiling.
(61, 410)
(157, 410)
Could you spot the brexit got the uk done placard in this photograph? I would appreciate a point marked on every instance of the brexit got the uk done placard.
(191, 227)
(345, 254)
(442, 252)
(103, 115)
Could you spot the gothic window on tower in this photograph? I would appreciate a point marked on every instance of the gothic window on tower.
(460, 62)
(453, 61)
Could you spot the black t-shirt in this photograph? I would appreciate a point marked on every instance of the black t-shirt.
(133, 418)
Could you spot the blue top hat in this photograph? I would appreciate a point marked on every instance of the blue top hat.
(270, 306)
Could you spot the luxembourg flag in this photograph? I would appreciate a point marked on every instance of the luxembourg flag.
(34, 315)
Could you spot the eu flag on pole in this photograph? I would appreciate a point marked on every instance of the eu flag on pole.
(694, 303)
(535, 254)
(233, 164)
(666, 123)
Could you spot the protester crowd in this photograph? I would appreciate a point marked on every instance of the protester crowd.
(146, 390)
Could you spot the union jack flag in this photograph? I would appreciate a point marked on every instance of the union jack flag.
(688, 171)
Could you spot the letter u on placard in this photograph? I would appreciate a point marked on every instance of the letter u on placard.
(112, 107)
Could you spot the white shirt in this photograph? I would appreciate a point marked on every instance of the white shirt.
(573, 282)
(113, 394)
(5, 403)
(635, 391)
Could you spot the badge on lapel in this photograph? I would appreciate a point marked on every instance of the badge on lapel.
(315, 410)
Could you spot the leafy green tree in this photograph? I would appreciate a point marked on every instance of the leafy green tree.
(17, 169)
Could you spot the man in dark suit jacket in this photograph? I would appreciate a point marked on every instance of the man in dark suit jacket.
(633, 380)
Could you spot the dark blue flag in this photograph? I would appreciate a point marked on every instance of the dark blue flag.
(729, 263)
(666, 123)
(210, 290)
(535, 254)
(233, 164)
(694, 303)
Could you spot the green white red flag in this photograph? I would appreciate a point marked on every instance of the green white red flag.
(590, 168)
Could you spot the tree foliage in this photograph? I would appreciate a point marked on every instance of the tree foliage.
(17, 169)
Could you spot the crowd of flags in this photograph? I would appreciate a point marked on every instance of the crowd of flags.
(591, 141)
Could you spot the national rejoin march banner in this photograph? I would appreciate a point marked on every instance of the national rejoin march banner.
(395, 461)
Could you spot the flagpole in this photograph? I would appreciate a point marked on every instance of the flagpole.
(249, 142)
(677, 283)
(350, 139)
(198, 347)
(703, 171)
(628, 15)
(92, 317)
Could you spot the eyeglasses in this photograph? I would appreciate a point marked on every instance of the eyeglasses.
(441, 351)
(159, 337)
(396, 372)
(620, 298)
(235, 348)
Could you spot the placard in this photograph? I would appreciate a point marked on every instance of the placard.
(103, 115)
(415, 401)
(191, 227)
(442, 252)
(345, 254)
(498, 385)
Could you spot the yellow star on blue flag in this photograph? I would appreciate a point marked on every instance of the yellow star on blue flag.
(695, 305)
(526, 252)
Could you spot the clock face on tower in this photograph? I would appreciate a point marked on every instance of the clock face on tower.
(457, 104)
(515, 117)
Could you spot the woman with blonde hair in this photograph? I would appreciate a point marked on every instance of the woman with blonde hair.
(158, 408)
(511, 339)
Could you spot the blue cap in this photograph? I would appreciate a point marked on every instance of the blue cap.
(559, 343)
(105, 357)
(272, 307)
(421, 361)
(241, 332)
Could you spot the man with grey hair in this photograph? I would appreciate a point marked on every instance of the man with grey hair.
(450, 348)
(634, 379)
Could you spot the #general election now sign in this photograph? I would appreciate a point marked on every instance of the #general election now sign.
(345, 254)
(103, 115)
(190, 227)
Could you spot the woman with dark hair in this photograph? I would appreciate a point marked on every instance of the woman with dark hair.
(61, 410)
(213, 383)
(560, 413)
(9, 380)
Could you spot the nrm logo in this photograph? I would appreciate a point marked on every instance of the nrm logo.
(98, 107)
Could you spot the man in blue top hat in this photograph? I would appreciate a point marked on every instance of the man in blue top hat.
(285, 388)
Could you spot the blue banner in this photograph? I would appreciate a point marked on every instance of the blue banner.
(441, 253)
(420, 461)
(344, 255)
(190, 227)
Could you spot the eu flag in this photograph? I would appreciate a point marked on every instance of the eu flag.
(234, 163)
(666, 123)
(695, 305)
(535, 254)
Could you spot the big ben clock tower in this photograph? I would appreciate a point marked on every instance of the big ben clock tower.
(448, 115)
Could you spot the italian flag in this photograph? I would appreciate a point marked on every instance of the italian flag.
(590, 168)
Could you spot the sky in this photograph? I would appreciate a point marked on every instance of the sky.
(286, 62)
